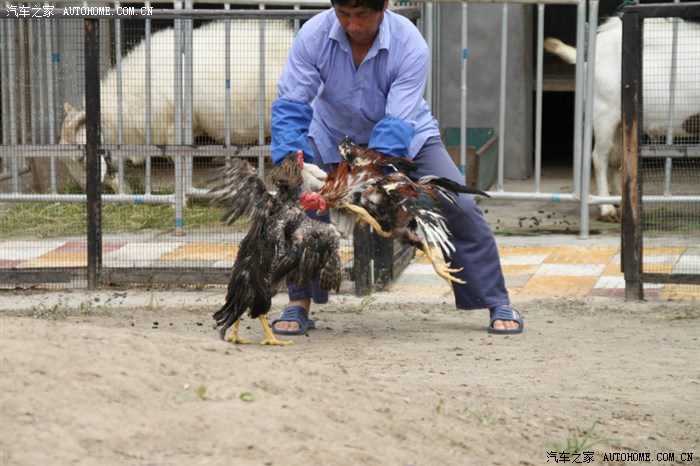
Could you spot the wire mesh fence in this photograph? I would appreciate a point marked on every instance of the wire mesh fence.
(180, 94)
(661, 139)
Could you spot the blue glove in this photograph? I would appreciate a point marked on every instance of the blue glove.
(392, 136)
(290, 130)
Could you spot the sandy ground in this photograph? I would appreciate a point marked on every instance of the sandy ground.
(141, 378)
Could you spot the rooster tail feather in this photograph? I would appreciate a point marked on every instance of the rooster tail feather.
(452, 186)
(226, 317)
(436, 234)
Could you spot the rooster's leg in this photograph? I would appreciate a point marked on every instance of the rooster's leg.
(441, 268)
(364, 215)
(233, 337)
(270, 338)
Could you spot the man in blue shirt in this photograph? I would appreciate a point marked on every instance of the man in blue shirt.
(360, 70)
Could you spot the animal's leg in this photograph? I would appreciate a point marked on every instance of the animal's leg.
(110, 176)
(270, 338)
(614, 165)
(603, 153)
(364, 215)
(76, 169)
(233, 337)
(441, 268)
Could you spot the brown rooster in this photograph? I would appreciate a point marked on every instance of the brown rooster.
(282, 241)
(376, 189)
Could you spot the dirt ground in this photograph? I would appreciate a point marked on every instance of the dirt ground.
(135, 377)
(141, 378)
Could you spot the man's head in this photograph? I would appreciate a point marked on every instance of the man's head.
(374, 5)
(360, 19)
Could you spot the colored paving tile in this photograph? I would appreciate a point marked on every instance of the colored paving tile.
(59, 258)
(657, 268)
(138, 254)
(81, 246)
(524, 250)
(211, 252)
(688, 263)
(663, 251)
(72, 246)
(347, 254)
(225, 264)
(68, 254)
(187, 263)
(422, 269)
(660, 258)
(610, 282)
(518, 269)
(521, 260)
(612, 269)
(8, 264)
(581, 255)
(570, 270)
(516, 281)
(537, 271)
(25, 250)
(418, 290)
(558, 286)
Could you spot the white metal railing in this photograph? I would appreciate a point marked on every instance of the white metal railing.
(40, 53)
(581, 157)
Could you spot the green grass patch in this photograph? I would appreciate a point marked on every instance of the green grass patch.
(52, 219)
(574, 444)
(681, 218)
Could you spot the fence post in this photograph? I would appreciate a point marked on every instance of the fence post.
(631, 250)
(92, 155)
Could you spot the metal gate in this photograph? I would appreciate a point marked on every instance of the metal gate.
(661, 166)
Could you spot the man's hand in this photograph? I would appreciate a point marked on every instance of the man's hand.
(343, 222)
(313, 177)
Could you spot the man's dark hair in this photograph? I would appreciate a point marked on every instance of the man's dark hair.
(376, 5)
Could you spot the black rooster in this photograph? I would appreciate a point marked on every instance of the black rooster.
(377, 189)
(282, 241)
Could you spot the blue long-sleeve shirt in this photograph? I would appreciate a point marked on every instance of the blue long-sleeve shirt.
(323, 95)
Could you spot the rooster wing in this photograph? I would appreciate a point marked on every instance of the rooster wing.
(281, 240)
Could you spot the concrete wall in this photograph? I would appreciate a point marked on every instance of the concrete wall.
(483, 75)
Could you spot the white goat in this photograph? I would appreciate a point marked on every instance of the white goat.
(208, 94)
(607, 151)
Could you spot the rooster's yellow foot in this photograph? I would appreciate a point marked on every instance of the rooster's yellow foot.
(233, 336)
(270, 338)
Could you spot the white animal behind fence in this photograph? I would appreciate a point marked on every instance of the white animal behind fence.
(607, 113)
(208, 93)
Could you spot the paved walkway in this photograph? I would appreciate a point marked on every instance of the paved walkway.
(534, 266)
(563, 265)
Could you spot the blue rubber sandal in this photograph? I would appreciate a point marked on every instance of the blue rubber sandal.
(294, 314)
(506, 313)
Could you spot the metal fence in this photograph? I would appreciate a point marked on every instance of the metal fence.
(661, 165)
(168, 98)
(152, 168)
(586, 24)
